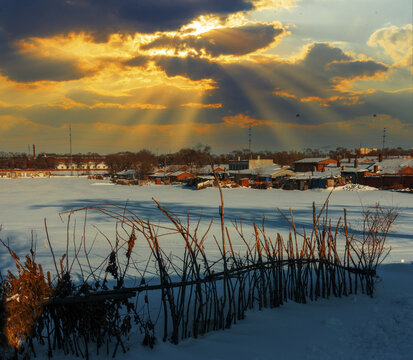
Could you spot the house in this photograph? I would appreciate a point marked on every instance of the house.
(79, 164)
(265, 174)
(201, 182)
(327, 177)
(207, 169)
(239, 164)
(352, 170)
(390, 173)
(312, 164)
(245, 182)
(179, 176)
(128, 175)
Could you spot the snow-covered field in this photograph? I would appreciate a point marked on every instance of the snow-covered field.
(356, 327)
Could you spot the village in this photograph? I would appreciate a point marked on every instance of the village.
(364, 167)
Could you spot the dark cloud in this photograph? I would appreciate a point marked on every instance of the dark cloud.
(24, 18)
(25, 68)
(223, 41)
(193, 68)
(139, 61)
(352, 69)
(321, 54)
(249, 87)
(27, 18)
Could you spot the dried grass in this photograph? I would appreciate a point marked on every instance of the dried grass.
(196, 295)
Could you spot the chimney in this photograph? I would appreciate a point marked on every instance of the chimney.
(349, 159)
(343, 167)
(356, 163)
(34, 151)
(376, 168)
(239, 158)
(338, 163)
(323, 169)
(380, 157)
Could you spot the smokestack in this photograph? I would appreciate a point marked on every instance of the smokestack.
(34, 151)
(380, 157)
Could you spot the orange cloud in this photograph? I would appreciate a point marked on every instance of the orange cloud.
(274, 4)
(345, 100)
(282, 93)
(203, 106)
(244, 121)
(128, 106)
(7, 122)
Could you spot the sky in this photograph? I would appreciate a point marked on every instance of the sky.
(162, 75)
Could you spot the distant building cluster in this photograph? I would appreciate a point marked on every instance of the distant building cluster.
(84, 164)
(394, 172)
(308, 173)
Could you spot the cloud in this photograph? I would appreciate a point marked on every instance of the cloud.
(238, 41)
(27, 18)
(345, 100)
(22, 66)
(356, 68)
(191, 67)
(281, 93)
(277, 89)
(202, 106)
(274, 4)
(396, 42)
(244, 121)
(98, 19)
(128, 106)
(9, 122)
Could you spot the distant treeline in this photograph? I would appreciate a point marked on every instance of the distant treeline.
(145, 160)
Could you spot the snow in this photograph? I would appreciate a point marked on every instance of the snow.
(354, 327)
(312, 160)
(393, 165)
(355, 187)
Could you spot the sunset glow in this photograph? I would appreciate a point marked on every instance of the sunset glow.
(174, 75)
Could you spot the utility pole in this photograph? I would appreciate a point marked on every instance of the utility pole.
(70, 141)
(249, 140)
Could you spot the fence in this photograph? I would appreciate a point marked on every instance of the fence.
(193, 295)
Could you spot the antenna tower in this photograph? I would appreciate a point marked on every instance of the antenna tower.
(249, 140)
(70, 141)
